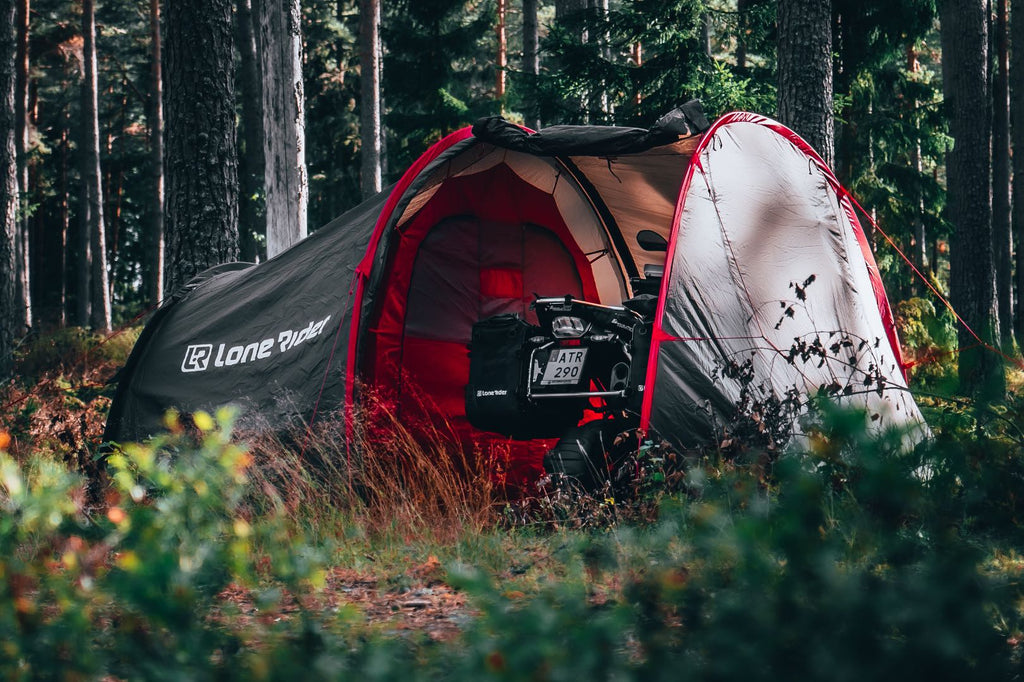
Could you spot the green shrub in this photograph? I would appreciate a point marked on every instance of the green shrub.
(855, 561)
(850, 559)
(73, 349)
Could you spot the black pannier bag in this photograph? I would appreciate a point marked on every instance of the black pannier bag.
(496, 397)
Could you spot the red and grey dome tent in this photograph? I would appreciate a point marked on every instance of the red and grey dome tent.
(767, 268)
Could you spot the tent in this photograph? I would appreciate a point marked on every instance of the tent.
(767, 272)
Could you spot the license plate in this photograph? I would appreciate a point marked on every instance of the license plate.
(565, 366)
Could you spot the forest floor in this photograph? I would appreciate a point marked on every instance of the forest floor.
(56, 408)
(425, 605)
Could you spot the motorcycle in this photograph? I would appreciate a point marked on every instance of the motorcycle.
(578, 375)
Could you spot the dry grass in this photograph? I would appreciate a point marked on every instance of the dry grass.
(382, 471)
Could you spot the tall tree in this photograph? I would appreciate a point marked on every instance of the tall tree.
(155, 281)
(10, 318)
(568, 9)
(369, 91)
(972, 282)
(501, 38)
(200, 157)
(598, 101)
(1001, 235)
(531, 57)
(742, 24)
(919, 255)
(440, 70)
(22, 141)
(1016, 72)
(284, 123)
(99, 288)
(805, 72)
(252, 223)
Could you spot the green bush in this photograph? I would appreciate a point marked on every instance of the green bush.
(850, 559)
(856, 561)
(69, 348)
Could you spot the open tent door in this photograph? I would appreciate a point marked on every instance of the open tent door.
(770, 288)
(482, 243)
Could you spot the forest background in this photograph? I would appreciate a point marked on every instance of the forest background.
(150, 143)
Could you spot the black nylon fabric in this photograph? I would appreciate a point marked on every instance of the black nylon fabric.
(593, 140)
(287, 313)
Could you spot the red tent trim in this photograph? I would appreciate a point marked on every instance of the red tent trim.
(366, 264)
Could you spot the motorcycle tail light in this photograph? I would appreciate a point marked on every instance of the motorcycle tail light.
(566, 327)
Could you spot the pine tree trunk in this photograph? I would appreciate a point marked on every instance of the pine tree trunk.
(742, 25)
(502, 61)
(805, 72)
(598, 105)
(82, 254)
(155, 279)
(99, 291)
(1002, 240)
(531, 57)
(60, 245)
(968, 164)
(252, 223)
(568, 9)
(10, 316)
(200, 158)
(370, 172)
(919, 255)
(23, 239)
(284, 124)
(1016, 73)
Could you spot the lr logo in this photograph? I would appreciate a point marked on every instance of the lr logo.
(197, 358)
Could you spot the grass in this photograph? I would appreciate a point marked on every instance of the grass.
(294, 556)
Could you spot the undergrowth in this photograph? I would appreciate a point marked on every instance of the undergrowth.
(851, 558)
(846, 556)
(57, 403)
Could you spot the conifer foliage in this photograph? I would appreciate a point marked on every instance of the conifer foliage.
(876, 69)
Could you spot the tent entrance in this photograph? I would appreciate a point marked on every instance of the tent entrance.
(484, 244)
(468, 269)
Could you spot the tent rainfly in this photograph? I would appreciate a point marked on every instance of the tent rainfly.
(766, 267)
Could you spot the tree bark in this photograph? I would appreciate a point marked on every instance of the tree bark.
(502, 62)
(805, 72)
(200, 157)
(284, 124)
(155, 279)
(919, 255)
(1016, 73)
(60, 245)
(251, 167)
(972, 282)
(531, 56)
(11, 320)
(99, 289)
(742, 25)
(82, 256)
(568, 9)
(370, 171)
(1001, 236)
(22, 140)
(598, 104)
